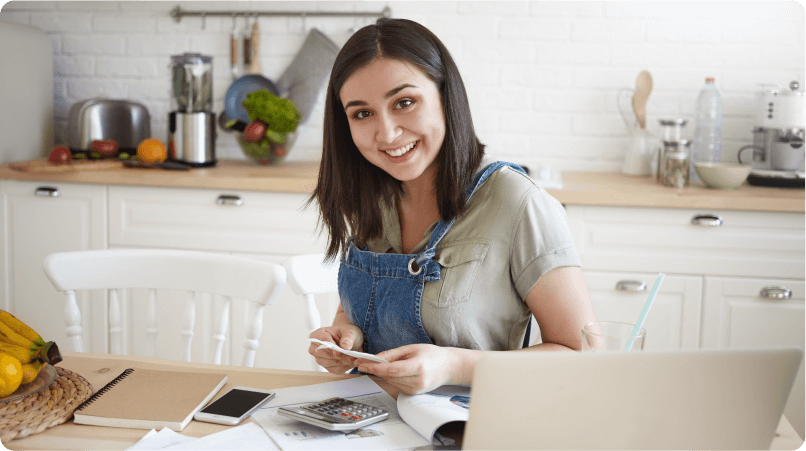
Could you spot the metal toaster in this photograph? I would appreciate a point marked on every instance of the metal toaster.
(125, 121)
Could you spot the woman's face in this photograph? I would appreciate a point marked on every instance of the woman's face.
(395, 114)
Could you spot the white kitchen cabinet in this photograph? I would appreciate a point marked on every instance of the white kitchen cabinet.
(748, 313)
(214, 220)
(723, 258)
(674, 320)
(40, 218)
(689, 241)
(744, 312)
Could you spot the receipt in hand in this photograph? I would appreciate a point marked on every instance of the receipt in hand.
(358, 355)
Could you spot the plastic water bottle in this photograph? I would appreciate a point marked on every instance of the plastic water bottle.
(707, 142)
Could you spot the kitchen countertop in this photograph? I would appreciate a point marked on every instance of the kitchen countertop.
(578, 188)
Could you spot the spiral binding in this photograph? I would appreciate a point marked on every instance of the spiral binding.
(105, 388)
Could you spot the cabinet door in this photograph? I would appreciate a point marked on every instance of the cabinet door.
(673, 321)
(739, 314)
(39, 219)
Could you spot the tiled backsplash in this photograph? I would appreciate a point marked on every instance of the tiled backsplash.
(542, 76)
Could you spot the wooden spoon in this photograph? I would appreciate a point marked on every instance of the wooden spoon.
(254, 64)
(643, 86)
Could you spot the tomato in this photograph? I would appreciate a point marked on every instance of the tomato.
(60, 155)
(254, 132)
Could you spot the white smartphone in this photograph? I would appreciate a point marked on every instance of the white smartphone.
(234, 406)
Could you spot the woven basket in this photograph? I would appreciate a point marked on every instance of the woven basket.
(44, 409)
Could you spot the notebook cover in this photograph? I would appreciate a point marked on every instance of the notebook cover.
(146, 398)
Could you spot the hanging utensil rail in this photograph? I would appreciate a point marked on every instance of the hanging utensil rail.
(177, 13)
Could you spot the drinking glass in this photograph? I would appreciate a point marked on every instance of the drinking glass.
(611, 336)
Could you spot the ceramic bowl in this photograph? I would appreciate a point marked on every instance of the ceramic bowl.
(722, 175)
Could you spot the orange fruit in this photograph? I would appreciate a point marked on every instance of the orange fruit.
(151, 150)
(10, 374)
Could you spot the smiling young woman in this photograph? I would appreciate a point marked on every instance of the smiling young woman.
(442, 256)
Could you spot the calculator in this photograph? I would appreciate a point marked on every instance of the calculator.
(336, 414)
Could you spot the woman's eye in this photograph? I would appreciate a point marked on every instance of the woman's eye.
(361, 114)
(405, 103)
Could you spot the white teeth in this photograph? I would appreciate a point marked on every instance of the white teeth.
(401, 151)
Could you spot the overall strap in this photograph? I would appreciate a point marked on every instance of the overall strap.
(442, 227)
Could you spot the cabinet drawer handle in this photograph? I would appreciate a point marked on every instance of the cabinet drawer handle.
(773, 292)
(706, 220)
(47, 191)
(226, 199)
(635, 286)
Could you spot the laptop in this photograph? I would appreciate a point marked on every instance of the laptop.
(707, 399)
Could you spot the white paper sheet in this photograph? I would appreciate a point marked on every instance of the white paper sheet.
(356, 354)
(250, 436)
(160, 440)
(291, 434)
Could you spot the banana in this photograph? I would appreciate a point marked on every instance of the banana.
(15, 332)
(31, 370)
(24, 355)
(9, 336)
(20, 327)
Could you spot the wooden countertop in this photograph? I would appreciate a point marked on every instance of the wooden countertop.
(578, 188)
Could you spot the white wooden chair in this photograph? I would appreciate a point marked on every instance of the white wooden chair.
(232, 277)
(309, 275)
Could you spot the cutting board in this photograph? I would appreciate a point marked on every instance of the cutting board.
(44, 165)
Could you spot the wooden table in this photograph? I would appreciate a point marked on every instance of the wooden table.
(99, 369)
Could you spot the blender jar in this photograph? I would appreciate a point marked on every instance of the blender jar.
(192, 82)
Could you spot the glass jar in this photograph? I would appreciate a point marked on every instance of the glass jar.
(672, 129)
(675, 164)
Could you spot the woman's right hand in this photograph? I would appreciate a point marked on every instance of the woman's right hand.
(345, 336)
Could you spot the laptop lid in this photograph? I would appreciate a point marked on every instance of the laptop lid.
(708, 399)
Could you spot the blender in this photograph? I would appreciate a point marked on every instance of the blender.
(191, 123)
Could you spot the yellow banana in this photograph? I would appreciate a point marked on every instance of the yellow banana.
(20, 327)
(24, 355)
(31, 370)
(9, 336)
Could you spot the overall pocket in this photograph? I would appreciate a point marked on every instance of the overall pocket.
(460, 262)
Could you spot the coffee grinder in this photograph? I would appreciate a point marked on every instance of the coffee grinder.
(778, 135)
(191, 123)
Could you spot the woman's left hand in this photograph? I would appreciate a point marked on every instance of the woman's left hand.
(413, 369)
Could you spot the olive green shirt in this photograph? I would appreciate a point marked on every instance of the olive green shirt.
(511, 233)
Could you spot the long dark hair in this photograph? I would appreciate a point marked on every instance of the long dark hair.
(350, 189)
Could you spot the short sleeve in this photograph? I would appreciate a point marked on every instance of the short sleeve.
(542, 240)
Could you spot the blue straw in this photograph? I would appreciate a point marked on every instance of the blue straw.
(644, 312)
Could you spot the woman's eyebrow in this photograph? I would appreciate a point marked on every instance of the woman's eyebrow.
(390, 93)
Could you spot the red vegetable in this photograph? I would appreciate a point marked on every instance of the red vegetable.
(60, 155)
(254, 132)
(106, 147)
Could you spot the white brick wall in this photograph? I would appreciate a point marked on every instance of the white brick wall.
(542, 75)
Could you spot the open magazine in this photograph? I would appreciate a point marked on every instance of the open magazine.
(428, 412)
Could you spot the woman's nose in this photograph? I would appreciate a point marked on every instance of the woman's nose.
(388, 129)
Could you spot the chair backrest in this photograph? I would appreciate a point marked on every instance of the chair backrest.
(309, 275)
(232, 277)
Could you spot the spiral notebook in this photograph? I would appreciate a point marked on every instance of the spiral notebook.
(150, 399)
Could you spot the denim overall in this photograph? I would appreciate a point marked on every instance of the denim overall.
(381, 293)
